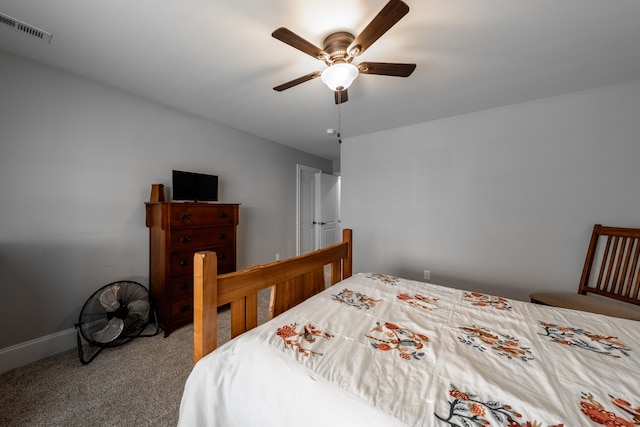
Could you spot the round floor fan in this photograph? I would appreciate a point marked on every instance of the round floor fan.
(114, 315)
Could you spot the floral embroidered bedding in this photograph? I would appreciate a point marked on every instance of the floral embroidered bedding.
(377, 350)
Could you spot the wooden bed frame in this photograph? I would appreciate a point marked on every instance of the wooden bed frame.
(291, 281)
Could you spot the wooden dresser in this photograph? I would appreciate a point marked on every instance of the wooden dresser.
(176, 231)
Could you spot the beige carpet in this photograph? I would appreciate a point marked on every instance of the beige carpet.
(137, 384)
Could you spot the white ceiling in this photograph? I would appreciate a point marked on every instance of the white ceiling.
(217, 59)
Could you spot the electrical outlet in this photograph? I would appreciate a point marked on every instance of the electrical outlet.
(277, 257)
(427, 275)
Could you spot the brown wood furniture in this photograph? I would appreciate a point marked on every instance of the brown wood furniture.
(176, 231)
(291, 281)
(610, 282)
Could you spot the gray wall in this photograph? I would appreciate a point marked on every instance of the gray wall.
(77, 161)
(501, 201)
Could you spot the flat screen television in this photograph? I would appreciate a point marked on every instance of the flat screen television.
(194, 186)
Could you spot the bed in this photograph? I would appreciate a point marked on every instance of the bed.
(378, 350)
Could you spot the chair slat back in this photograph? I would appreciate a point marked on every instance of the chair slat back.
(617, 264)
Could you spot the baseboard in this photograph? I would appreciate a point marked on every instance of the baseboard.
(39, 348)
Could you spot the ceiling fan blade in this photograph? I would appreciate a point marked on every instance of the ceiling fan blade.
(386, 68)
(341, 96)
(297, 81)
(292, 39)
(384, 20)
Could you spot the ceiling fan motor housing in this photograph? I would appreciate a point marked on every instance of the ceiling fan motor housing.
(335, 45)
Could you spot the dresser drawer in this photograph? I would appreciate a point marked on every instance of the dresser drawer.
(196, 238)
(187, 215)
(181, 263)
(181, 287)
(182, 310)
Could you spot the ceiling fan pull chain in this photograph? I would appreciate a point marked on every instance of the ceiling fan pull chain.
(339, 135)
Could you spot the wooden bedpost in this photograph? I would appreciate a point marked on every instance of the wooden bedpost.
(347, 267)
(205, 322)
(341, 269)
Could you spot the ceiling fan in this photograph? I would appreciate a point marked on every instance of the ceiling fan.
(340, 48)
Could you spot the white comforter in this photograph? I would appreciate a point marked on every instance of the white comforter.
(377, 350)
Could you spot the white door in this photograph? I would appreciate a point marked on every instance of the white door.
(327, 209)
(306, 209)
(318, 209)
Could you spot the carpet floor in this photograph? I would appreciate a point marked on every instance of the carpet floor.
(137, 384)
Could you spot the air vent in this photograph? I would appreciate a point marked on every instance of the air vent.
(25, 28)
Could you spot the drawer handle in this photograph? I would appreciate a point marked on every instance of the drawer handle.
(222, 236)
(184, 308)
(185, 217)
(224, 215)
(222, 256)
(185, 239)
(185, 262)
(185, 285)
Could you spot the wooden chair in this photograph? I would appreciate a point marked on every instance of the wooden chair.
(610, 282)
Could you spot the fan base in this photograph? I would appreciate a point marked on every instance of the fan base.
(336, 44)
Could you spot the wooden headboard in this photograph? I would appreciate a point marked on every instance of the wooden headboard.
(291, 281)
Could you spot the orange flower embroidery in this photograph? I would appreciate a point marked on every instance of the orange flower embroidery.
(391, 326)
(576, 337)
(477, 410)
(404, 297)
(417, 300)
(390, 336)
(504, 345)
(286, 332)
(458, 394)
(481, 300)
(469, 409)
(599, 415)
(308, 333)
(620, 402)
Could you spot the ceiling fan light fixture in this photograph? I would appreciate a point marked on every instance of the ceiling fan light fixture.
(339, 77)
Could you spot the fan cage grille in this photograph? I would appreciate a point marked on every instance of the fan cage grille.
(115, 314)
